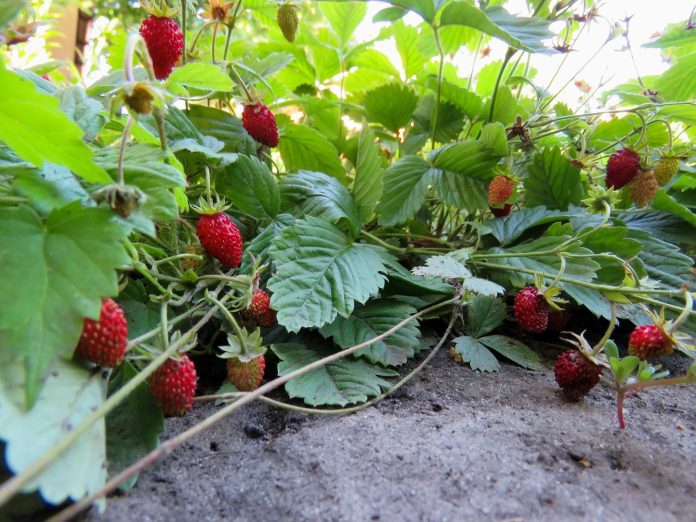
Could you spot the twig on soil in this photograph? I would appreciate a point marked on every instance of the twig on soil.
(169, 446)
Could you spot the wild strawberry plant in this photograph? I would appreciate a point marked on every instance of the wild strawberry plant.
(251, 184)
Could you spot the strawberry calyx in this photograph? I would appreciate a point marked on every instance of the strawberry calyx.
(159, 8)
(210, 207)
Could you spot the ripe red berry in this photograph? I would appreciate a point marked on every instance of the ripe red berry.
(260, 309)
(173, 385)
(104, 341)
(576, 374)
(165, 43)
(622, 167)
(531, 310)
(246, 376)
(501, 212)
(220, 237)
(260, 123)
(649, 341)
(500, 190)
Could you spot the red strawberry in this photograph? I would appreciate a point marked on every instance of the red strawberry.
(649, 341)
(260, 309)
(165, 43)
(503, 211)
(104, 341)
(260, 123)
(173, 385)
(246, 376)
(557, 320)
(500, 190)
(531, 310)
(576, 374)
(220, 237)
(622, 167)
(643, 187)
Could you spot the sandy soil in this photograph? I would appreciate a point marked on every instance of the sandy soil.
(452, 444)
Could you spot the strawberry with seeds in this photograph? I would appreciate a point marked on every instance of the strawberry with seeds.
(163, 37)
(104, 342)
(173, 385)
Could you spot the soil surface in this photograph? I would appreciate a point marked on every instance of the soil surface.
(452, 444)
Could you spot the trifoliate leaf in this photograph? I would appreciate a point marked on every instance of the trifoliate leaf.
(346, 381)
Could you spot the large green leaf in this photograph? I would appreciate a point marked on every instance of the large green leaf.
(84, 111)
(476, 354)
(32, 124)
(346, 381)
(260, 246)
(49, 187)
(223, 126)
(70, 395)
(484, 314)
(367, 188)
(371, 320)
(552, 182)
(407, 39)
(663, 261)
(54, 273)
(507, 230)
(406, 182)
(677, 36)
(460, 190)
(677, 82)
(391, 105)
(303, 148)
(474, 158)
(513, 350)
(133, 427)
(344, 18)
(518, 32)
(663, 201)
(250, 186)
(200, 75)
(316, 194)
(320, 274)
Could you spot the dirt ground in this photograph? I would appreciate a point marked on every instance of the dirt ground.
(452, 444)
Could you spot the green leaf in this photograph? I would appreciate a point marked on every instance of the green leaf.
(389, 14)
(507, 230)
(460, 190)
(346, 381)
(407, 39)
(367, 188)
(663, 261)
(200, 75)
(222, 126)
(476, 354)
(371, 320)
(677, 36)
(261, 244)
(33, 126)
(70, 395)
(663, 201)
(474, 158)
(303, 148)
(443, 267)
(391, 105)
(9, 10)
(513, 350)
(484, 314)
(403, 282)
(591, 299)
(133, 427)
(84, 111)
(450, 121)
(50, 187)
(319, 195)
(518, 32)
(250, 186)
(344, 18)
(54, 274)
(406, 182)
(320, 274)
(676, 83)
(467, 101)
(552, 181)
(143, 315)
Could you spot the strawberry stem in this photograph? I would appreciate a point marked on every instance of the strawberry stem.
(619, 408)
(230, 319)
(610, 329)
(122, 149)
(250, 98)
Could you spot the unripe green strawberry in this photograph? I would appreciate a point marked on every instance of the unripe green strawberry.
(173, 385)
(643, 188)
(104, 342)
(500, 190)
(288, 21)
(665, 169)
(246, 376)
